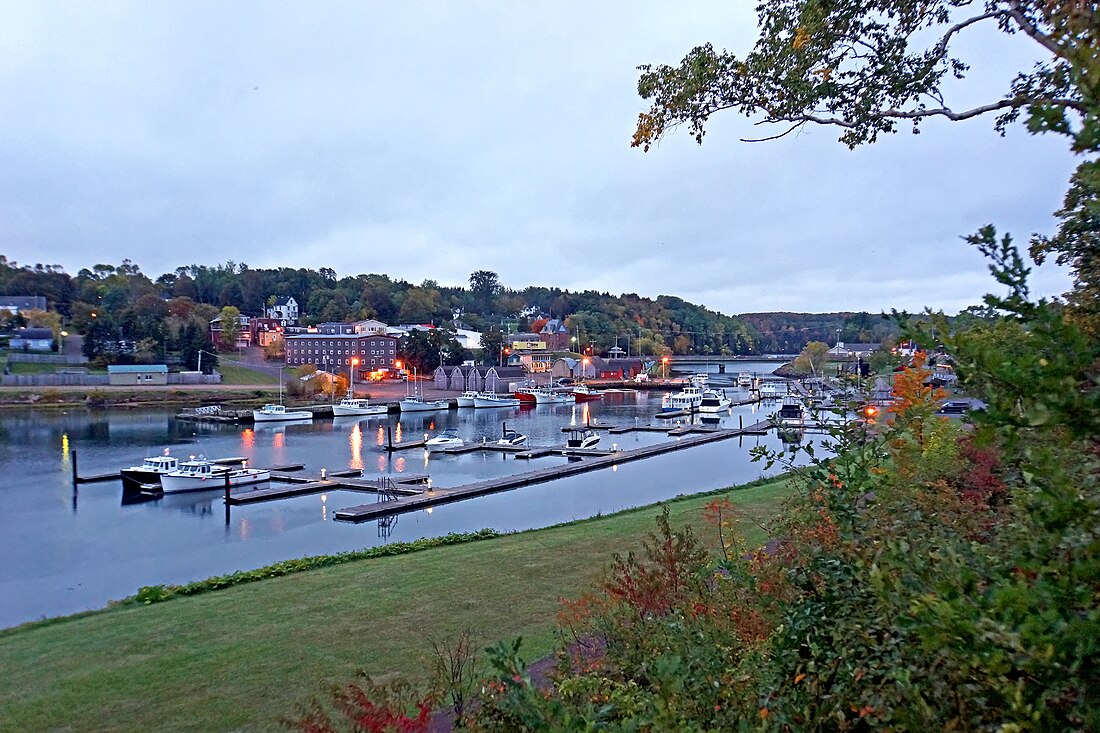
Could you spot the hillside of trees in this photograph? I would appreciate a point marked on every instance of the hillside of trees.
(170, 313)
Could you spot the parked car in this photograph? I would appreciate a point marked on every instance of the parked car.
(564, 382)
(954, 407)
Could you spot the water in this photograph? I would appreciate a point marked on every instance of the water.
(67, 551)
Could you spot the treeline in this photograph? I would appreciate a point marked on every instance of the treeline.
(151, 316)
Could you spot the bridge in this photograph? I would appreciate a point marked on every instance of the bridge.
(713, 359)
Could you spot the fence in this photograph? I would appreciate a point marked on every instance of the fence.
(95, 380)
(19, 356)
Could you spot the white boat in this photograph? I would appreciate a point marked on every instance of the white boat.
(689, 398)
(744, 379)
(466, 399)
(207, 476)
(791, 412)
(583, 393)
(275, 413)
(491, 399)
(768, 392)
(416, 403)
(700, 380)
(714, 400)
(447, 439)
(512, 437)
(582, 439)
(544, 396)
(150, 471)
(357, 406)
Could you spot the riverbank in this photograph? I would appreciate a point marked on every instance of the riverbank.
(241, 657)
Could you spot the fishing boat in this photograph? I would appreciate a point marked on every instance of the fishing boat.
(416, 403)
(466, 399)
(582, 393)
(714, 400)
(357, 406)
(791, 412)
(582, 439)
(202, 475)
(513, 438)
(768, 392)
(744, 379)
(492, 399)
(150, 470)
(447, 439)
(544, 396)
(277, 413)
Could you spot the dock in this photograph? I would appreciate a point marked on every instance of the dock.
(117, 475)
(349, 480)
(593, 460)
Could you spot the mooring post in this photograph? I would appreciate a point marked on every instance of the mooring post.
(227, 497)
(73, 455)
(389, 437)
(741, 422)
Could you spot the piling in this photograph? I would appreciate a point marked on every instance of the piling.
(72, 453)
(227, 498)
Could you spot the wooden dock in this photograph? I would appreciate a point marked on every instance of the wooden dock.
(595, 460)
(401, 485)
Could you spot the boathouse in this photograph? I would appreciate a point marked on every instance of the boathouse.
(137, 374)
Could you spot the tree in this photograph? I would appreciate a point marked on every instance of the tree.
(485, 285)
(869, 67)
(491, 344)
(231, 326)
(812, 358)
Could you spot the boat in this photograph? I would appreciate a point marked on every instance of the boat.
(357, 406)
(447, 439)
(466, 399)
(201, 475)
(744, 379)
(512, 437)
(545, 396)
(791, 412)
(416, 403)
(768, 392)
(150, 471)
(714, 400)
(492, 399)
(689, 398)
(582, 393)
(700, 380)
(275, 413)
(582, 439)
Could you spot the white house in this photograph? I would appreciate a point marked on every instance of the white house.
(285, 309)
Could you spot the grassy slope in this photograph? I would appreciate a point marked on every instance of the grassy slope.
(240, 374)
(240, 658)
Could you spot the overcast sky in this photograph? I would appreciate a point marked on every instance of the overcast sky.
(427, 140)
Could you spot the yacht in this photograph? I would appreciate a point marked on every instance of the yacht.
(512, 437)
(416, 403)
(202, 475)
(149, 472)
(768, 392)
(447, 439)
(689, 398)
(582, 439)
(791, 413)
(714, 400)
(357, 406)
(466, 399)
(744, 379)
(492, 399)
(275, 413)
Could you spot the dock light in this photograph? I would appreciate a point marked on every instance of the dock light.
(324, 498)
(428, 510)
(614, 447)
(324, 474)
(429, 485)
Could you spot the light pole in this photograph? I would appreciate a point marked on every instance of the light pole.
(351, 375)
(664, 363)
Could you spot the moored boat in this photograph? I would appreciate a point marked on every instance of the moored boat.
(583, 393)
(512, 437)
(416, 403)
(466, 399)
(447, 439)
(491, 399)
(791, 412)
(275, 413)
(357, 406)
(202, 475)
(689, 398)
(714, 400)
(744, 379)
(582, 439)
(149, 472)
(544, 396)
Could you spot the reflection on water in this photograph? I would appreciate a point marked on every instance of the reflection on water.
(69, 550)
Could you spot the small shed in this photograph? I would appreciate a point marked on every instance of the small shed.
(497, 379)
(137, 374)
(32, 339)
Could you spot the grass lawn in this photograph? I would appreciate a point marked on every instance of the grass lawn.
(240, 658)
(239, 374)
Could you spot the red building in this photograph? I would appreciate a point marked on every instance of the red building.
(334, 352)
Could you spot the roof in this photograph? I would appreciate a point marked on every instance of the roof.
(285, 300)
(554, 325)
(345, 336)
(34, 333)
(23, 302)
(137, 368)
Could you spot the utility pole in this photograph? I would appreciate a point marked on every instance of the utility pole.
(200, 361)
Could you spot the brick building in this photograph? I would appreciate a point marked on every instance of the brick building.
(334, 352)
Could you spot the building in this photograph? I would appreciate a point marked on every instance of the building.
(843, 350)
(285, 310)
(621, 368)
(15, 303)
(265, 330)
(334, 352)
(31, 339)
(356, 327)
(244, 333)
(555, 334)
(588, 367)
(137, 374)
(478, 378)
(468, 339)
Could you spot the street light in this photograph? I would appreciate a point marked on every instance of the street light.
(664, 362)
(351, 385)
(584, 367)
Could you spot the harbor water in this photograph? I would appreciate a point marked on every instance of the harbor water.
(68, 550)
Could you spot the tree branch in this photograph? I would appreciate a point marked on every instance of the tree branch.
(1016, 12)
(794, 127)
(898, 114)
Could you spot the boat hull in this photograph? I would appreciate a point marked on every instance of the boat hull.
(429, 406)
(345, 411)
(259, 416)
(496, 402)
(177, 484)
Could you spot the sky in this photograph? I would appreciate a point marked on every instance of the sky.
(427, 140)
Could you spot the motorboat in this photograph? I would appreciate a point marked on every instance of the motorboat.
(582, 439)
(583, 393)
(466, 399)
(544, 396)
(791, 412)
(744, 379)
(714, 400)
(512, 437)
(689, 398)
(276, 413)
(700, 380)
(201, 475)
(447, 439)
(149, 472)
(768, 392)
(416, 403)
(357, 406)
(491, 399)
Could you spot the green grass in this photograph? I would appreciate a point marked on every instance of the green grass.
(239, 374)
(240, 658)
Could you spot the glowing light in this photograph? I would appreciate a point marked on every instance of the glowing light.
(64, 447)
(356, 442)
(248, 437)
(428, 510)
